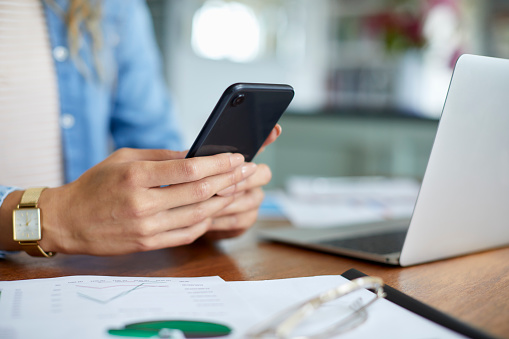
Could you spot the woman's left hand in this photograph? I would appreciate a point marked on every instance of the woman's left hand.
(274, 134)
(241, 214)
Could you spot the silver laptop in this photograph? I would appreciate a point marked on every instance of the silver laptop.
(463, 203)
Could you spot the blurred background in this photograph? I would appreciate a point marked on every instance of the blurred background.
(370, 76)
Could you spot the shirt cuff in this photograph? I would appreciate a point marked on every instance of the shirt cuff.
(5, 191)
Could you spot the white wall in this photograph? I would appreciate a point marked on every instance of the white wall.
(196, 83)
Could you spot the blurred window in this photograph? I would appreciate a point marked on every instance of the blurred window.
(226, 30)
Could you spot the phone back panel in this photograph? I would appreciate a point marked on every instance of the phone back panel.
(242, 119)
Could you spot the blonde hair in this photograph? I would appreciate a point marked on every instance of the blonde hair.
(82, 17)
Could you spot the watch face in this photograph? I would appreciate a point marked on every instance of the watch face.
(27, 224)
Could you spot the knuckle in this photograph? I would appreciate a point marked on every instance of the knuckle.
(144, 244)
(202, 190)
(137, 208)
(190, 169)
(220, 163)
(131, 175)
(235, 177)
(144, 229)
(224, 162)
(194, 233)
(199, 214)
(122, 153)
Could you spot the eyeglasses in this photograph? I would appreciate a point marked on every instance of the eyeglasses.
(331, 313)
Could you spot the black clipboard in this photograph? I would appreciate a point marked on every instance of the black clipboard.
(425, 311)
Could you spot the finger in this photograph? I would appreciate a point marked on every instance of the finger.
(261, 177)
(177, 237)
(248, 167)
(158, 173)
(234, 222)
(193, 192)
(245, 201)
(274, 134)
(180, 217)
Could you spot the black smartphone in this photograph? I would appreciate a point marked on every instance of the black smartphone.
(242, 120)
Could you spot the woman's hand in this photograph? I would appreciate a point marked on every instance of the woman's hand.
(120, 207)
(241, 214)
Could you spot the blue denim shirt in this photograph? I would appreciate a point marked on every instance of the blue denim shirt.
(128, 107)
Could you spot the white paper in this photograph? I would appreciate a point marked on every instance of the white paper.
(330, 202)
(385, 319)
(87, 306)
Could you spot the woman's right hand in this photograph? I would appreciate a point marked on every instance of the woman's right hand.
(119, 206)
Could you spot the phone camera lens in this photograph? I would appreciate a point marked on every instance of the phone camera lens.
(238, 100)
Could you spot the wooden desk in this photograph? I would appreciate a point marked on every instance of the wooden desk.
(474, 288)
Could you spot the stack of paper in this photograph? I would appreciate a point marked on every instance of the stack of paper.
(96, 306)
(331, 202)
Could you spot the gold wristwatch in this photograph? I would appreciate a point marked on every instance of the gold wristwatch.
(26, 219)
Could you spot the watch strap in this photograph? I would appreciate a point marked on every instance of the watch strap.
(33, 249)
(31, 197)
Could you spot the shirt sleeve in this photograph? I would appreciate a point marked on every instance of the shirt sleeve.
(4, 191)
(142, 116)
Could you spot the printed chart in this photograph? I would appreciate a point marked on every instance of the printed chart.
(100, 307)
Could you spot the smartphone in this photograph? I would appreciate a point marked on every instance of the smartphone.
(242, 119)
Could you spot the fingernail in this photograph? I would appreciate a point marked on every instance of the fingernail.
(236, 159)
(279, 129)
(248, 169)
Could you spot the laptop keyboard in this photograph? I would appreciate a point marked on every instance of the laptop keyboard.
(383, 243)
